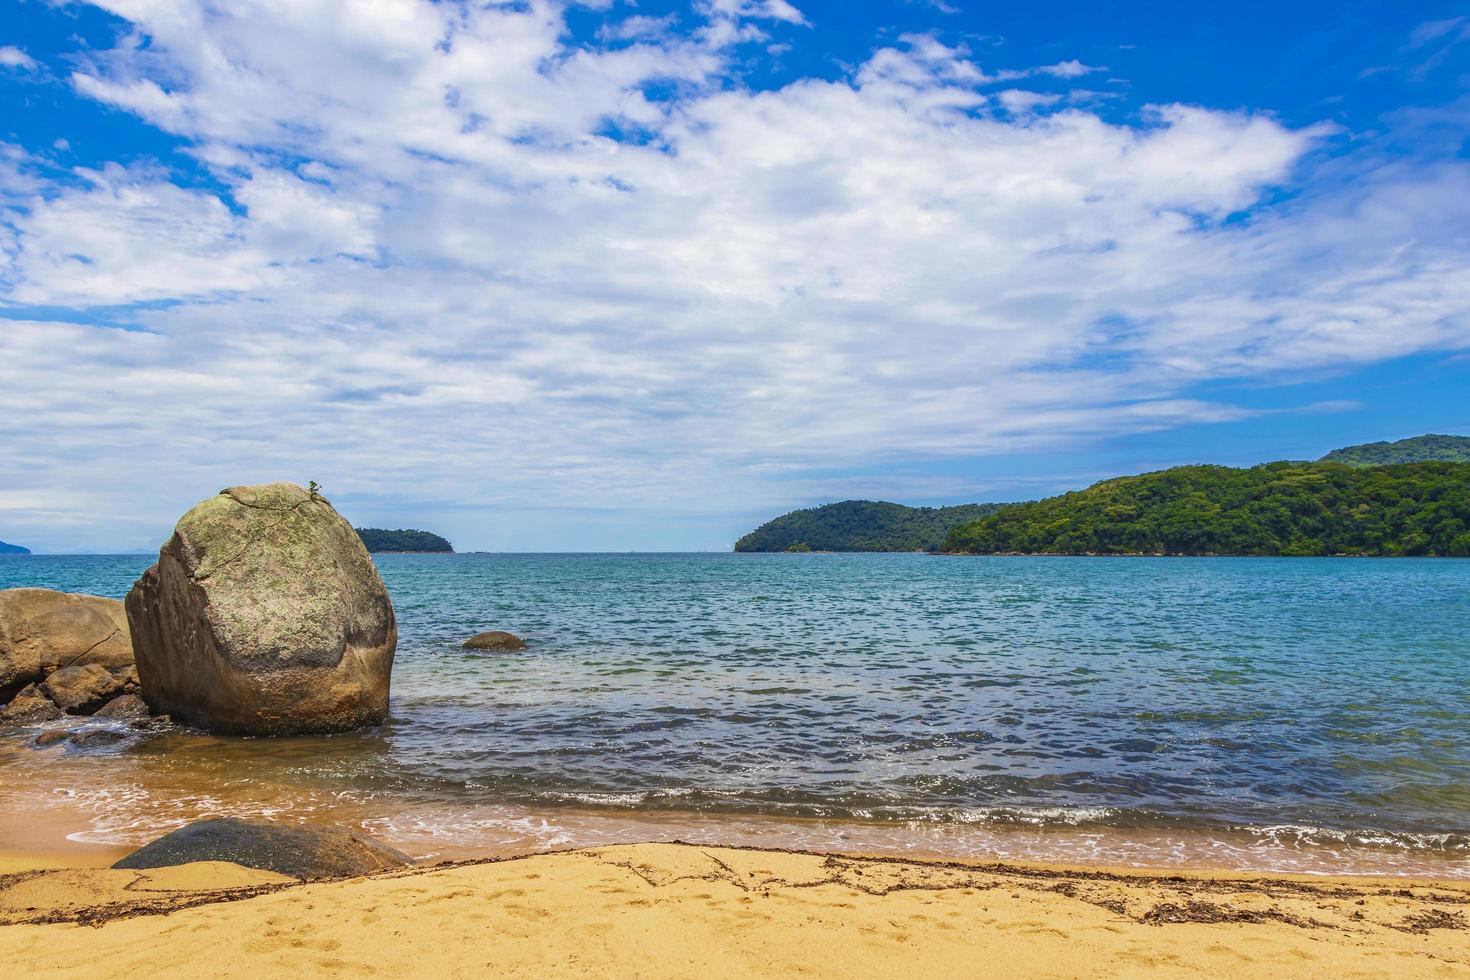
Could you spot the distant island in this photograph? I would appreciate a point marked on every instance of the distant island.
(1403, 509)
(1264, 510)
(862, 525)
(13, 549)
(377, 539)
(1448, 449)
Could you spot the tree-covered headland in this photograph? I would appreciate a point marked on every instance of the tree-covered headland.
(1274, 509)
(861, 525)
(1449, 449)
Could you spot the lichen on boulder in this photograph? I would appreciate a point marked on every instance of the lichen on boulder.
(264, 616)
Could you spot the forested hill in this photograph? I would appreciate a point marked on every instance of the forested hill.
(13, 549)
(377, 539)
(1274, 509)
(861, 525)
(1450, 449)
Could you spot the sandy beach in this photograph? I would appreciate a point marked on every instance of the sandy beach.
(671, 910)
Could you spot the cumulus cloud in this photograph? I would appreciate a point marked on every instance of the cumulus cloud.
(453, 257)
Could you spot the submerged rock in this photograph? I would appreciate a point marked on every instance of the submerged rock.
(50, 738)
(31, 705)
(264, 616)
(42, 630)
(82, 690)
(494, 640)
(300, 852)
(97, 736)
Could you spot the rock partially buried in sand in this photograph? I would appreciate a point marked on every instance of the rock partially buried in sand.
(42, 630)
(494, 640)
(30, 705)
(307, 853)
(82, 690)
(264, 616)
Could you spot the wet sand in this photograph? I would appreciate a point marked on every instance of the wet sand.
(667, 910)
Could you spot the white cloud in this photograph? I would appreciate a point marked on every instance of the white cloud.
(637, 26)
(439, 275)
(763, 9)
(1018, 100)
(1071, 68)
(13, 57)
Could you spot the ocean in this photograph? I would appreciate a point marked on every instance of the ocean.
(1274, 714)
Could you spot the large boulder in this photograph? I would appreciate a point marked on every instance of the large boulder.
(300, 852)
(42, 630)
(264, 616)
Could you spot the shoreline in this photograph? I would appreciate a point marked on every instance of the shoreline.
(679, 909)
(430, 831)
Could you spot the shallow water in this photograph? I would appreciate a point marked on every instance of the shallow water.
(1292, 714)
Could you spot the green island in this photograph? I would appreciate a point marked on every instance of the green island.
(13, 549)
(862, 525)
(1273, 509)
(377, 539)
(1448, 449)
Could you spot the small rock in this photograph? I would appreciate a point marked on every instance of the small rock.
(31, 705)
(494, 640)
(82, 689)
(51, 738)
(300, 852)
(125, 706)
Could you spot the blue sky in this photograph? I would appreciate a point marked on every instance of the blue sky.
(605, 276)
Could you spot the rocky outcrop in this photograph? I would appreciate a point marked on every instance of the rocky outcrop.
(264, 616)
(308, 853)
(81, 690)
(42, 630)
(30, 705)
(61, 653)
(494, 640)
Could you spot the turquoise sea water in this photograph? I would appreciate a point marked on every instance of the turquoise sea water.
(1311, 714)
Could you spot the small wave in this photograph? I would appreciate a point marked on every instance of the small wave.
(1040, 816)
(441, 829)
(131, 815)
(1297, 835)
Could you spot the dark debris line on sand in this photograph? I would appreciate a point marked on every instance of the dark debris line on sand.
(1179, 903)
(99, 915)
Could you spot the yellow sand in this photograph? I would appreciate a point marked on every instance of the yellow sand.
(665, 910)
